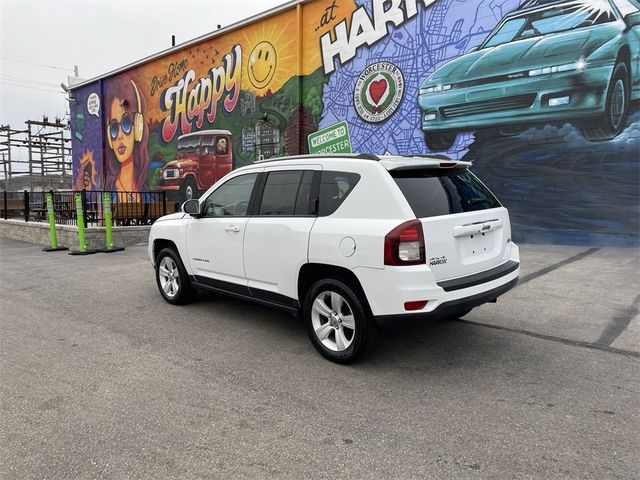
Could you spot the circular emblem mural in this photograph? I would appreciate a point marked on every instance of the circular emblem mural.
(378, 92)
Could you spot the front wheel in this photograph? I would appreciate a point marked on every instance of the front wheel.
(611, 124)
(510, 130)
(172, 278)
(188, 189)
(440, 141)
(337, 322)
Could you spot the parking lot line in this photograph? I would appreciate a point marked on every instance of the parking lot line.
(556, 266)
(566, 341)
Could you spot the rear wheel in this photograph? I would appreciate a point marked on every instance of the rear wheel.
(440, 140)
(610, 124)
(337, 322)
(172, 278)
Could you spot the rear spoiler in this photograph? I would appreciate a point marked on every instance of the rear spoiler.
(422, 163)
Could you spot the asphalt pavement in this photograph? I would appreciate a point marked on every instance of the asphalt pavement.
(102, 379)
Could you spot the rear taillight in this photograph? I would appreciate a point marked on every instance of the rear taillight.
(404, 245)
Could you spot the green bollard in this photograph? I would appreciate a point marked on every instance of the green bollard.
(80, 219)
(108, 223)
(52, 227)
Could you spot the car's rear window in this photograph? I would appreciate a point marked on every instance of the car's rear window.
(335, 187)
(431, 193)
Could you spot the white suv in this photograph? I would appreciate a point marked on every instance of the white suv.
(343, 241)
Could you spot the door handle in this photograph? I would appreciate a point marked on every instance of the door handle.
(231, 228)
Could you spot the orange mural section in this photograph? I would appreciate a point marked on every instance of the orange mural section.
(319, 18)
(258, 58)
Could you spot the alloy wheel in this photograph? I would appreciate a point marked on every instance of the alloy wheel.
(169, 277)
(333, 321)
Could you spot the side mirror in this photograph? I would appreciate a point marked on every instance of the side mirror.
(632, 20)
(192, 207)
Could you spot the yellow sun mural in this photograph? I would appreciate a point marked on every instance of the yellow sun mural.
(271, 53)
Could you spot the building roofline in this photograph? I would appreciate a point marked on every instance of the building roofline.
(200, 39)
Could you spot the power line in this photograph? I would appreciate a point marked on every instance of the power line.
(8, 83)
(37, 64)
(14, 78)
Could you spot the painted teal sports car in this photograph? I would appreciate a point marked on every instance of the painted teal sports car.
(547, 61)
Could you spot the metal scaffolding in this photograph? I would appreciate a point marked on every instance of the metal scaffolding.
(48, 147)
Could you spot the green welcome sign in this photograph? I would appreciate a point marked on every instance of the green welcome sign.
(333, 139)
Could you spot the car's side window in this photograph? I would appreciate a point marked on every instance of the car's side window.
(232, 198)
(207, 144)
(334, 189)
(286, 193)
(222, 146)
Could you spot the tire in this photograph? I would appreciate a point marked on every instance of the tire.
(612, 122)
(440, 141)
(510, 130)
(172, 279)
(338, 324)
(188, 189)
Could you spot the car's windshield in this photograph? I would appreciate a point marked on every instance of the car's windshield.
(551, 20)
(627, 6)
(188, 144)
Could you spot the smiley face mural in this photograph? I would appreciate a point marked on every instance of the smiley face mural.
(536, 93)
(262, 64)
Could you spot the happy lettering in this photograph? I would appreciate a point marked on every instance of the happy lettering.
(190, 101)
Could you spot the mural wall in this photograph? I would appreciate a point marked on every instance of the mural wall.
(86, 138)
(541, 95)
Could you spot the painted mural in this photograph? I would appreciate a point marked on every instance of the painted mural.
(541, 95)
(86, 139)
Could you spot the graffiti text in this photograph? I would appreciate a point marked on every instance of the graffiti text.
(189, 101)
(366, 30)
(173, 71)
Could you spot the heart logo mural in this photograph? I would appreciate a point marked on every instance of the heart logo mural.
(378, 92)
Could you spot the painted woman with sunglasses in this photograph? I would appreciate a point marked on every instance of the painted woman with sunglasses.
(127, 158)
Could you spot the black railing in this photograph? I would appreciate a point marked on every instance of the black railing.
(128, 208)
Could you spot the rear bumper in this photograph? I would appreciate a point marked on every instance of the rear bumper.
(452, 308)
(388, 289)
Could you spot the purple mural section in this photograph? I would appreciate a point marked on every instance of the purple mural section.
(86, 128)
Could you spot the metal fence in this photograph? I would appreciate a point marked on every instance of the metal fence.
(128, 208)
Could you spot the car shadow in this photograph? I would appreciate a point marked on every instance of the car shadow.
(425, 345)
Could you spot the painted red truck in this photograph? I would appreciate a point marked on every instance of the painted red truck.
(202, 159)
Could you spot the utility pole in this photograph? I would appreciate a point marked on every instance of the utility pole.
(29, 146)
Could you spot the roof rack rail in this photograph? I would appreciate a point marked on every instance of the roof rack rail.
(360, 156)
